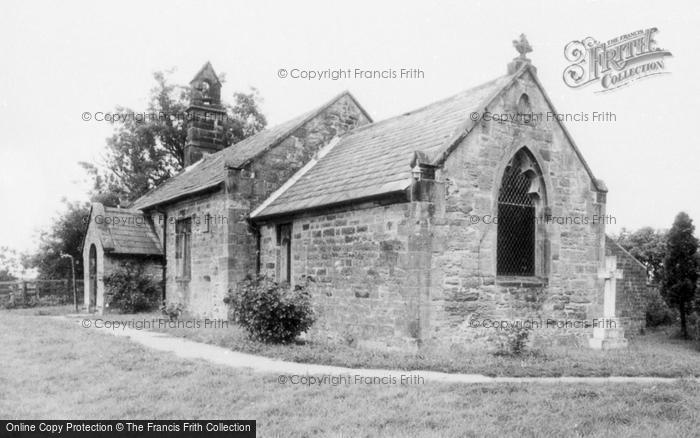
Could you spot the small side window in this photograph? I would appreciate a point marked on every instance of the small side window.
(183, 248)
(284, 242)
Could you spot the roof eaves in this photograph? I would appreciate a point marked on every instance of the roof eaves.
(194, 191)
(389, 195)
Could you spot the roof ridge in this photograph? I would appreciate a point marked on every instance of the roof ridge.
(426, 106)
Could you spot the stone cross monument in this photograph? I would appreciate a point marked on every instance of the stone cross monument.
(608, 332)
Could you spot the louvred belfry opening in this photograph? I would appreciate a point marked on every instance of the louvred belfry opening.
(516, 223)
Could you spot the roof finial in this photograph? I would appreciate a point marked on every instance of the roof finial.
(522, 46)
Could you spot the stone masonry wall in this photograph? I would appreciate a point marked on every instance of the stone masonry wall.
(632, 289)
(227, 252)
(92, 237)
(203, 293)
(107, 263)
(249, 187)
(363, 271)
(443, 287)
(464, 284)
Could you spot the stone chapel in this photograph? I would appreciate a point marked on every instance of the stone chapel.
(411, 230)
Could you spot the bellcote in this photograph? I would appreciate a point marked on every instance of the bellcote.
(205, 117)
(206, 87)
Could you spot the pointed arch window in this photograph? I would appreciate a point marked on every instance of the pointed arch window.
(520, 238)
(524, 106)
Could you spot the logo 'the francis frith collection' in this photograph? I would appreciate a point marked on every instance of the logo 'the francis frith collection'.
(615, 63)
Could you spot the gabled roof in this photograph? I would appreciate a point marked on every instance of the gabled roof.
(123, 231)
(210, 171)
(375, 160)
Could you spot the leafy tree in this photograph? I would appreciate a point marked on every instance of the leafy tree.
(649, 247)
(681, 267)
(64, 236)
(10, 264)
(145, 151)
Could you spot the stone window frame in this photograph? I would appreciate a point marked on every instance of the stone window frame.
(284, 251)
(516, 228)
(524, 105)
(207, 223)
(183, 249)
(542, 210)
(525, 114)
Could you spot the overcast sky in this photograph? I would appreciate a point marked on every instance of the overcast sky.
(60, 59)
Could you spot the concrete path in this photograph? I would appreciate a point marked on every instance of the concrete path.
(221, 356)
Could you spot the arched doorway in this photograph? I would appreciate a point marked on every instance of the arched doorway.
(93, 278)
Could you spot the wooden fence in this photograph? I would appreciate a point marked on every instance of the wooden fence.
(42, 291)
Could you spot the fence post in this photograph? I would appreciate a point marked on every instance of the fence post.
(24, 290)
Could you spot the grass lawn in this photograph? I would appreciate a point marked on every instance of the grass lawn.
(658, 353)
(53, 369)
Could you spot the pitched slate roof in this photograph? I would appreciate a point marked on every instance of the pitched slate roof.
(375, 159)
(123, 231)
(210, 171)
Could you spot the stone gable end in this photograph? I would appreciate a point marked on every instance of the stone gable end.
(569, 246)
(422, 267)
(227, 251)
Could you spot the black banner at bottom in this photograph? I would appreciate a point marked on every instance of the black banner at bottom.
(128, 428)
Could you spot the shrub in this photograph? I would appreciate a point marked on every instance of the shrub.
(172, 310)
(131, 290)
(269, 311)
(512, 341)
(19, 301)
(657, 311)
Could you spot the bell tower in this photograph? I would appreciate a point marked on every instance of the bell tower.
(205, 116)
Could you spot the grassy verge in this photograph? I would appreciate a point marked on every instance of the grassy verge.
(658, 353)
(53, 369)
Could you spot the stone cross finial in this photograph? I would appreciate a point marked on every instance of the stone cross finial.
(522, 46)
